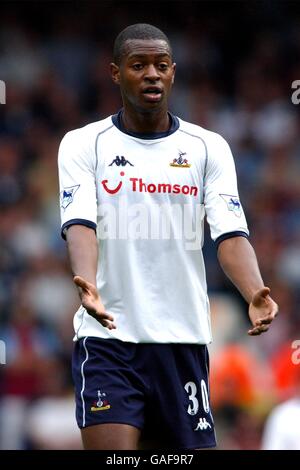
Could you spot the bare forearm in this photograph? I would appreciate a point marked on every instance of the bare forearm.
(83, 252)
(238, 260)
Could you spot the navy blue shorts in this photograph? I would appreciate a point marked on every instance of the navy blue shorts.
(161, 389)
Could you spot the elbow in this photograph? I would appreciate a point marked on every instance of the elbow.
(232, 246)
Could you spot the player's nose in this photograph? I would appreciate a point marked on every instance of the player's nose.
(151, 73)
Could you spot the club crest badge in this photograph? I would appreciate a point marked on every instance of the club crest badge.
(180, 162)
(101, 404)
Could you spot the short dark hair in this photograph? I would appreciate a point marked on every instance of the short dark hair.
(137, 31)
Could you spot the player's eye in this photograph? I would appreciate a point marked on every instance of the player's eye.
(137, 66)
(162, 66)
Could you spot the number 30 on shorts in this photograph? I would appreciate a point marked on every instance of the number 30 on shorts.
(191, 389)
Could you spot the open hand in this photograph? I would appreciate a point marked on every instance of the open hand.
(262, 311)
(91, 301)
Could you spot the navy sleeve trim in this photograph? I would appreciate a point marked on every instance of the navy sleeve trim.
(68, 224)
(228, 235)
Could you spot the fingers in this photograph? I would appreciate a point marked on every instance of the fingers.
(104, 319)
(92, 303)
(258, 330)
(265, 320)
(270, 317)
(107, 324)
(263, 324)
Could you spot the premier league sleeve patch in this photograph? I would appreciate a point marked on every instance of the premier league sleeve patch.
(233, 204)
(67, 195)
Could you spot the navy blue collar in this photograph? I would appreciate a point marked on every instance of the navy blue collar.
(174, 125)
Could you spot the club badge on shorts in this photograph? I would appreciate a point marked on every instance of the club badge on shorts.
(100, 404)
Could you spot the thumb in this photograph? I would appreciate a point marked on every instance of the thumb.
(80, 282)
(264, 292)
(261, 294)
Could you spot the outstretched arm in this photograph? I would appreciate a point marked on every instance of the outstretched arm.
(83, 255)
(238, 260)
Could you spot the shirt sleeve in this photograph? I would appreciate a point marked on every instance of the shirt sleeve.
(223, 208)
(77, 182)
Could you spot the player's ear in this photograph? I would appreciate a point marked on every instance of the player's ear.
(115, 73)
(174, 70)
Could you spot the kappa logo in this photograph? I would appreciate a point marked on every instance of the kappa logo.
(120, 161)
(233, 204)
(202, 425)
(100, 404)
(181, 162)
(67, 195)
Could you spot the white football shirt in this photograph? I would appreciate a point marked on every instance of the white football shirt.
(147, 197)
(282, 431)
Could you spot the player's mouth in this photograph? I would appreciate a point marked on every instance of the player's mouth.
(152, 93)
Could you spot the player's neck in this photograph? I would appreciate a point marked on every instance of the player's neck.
(134, 121)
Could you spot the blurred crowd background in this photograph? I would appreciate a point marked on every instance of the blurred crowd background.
(236, 62)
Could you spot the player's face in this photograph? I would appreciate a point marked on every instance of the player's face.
(145, 74)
